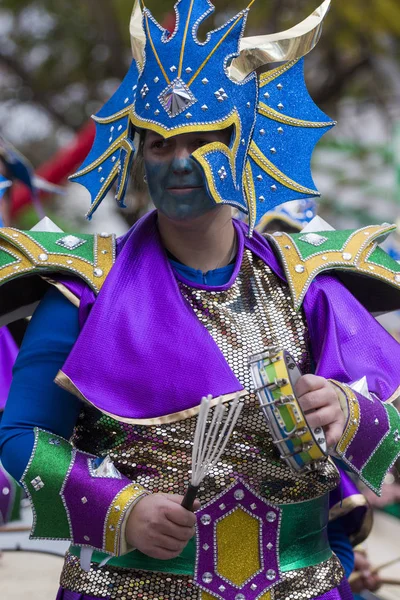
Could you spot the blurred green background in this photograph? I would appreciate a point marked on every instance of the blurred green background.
(60, 60)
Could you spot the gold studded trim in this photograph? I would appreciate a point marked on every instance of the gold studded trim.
(118, 115)
(232, 119)
(268, 167)
(274, 115)
(250, 191)
(65, 382)
(33, 258)
(269, 76)
(353, 420)
(124, 501)
(359, 246)
(110, 150)
(201, 156)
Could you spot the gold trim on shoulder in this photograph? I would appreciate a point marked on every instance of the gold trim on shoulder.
(33, 257)
(64, 291)
(66, 383)
(353, 255)
(345, 506)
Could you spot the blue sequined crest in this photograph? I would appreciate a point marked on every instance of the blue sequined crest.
(184, 85)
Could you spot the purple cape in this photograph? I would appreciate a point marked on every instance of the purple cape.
(142, 352)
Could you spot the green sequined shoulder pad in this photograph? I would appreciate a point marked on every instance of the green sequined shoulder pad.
(42, 253)
(351, 253)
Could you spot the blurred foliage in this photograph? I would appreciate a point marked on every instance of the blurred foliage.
(64, 58)
(67, 56)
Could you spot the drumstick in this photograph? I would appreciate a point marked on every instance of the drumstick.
(389, 581)
(384, 565)
(210, 439)
(357, 575)
(20, 529)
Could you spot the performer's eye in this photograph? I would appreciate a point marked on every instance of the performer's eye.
(202, 142)
(158, 144)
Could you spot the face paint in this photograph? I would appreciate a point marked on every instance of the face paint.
(177, 188)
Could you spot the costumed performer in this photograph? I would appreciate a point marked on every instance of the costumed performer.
(145, 326)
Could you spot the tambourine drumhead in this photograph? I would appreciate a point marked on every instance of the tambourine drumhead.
(32, 575)
(274, 374)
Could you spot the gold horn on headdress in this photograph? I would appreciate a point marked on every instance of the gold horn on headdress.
(138, 36)
(291, 44)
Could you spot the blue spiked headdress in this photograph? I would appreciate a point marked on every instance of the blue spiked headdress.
(178, 84)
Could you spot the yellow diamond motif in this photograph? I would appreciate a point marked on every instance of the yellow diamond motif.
(238, 556)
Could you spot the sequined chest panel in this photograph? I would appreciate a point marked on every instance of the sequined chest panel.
(254, 313)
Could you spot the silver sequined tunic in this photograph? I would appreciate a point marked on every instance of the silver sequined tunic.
(254, 313)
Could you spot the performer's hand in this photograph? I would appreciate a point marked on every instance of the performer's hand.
(159, 526)
(320, 403)
(363, 578)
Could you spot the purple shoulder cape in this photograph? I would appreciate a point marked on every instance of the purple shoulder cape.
(142, 352)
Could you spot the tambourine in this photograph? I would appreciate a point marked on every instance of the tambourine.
(274, 374)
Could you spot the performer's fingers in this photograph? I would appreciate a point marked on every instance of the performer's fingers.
(170, 544)
(323, 417)
(182, 534)
(179, 515)
(309, 383)
(163, 553)
(333, 433)
(313, 400)
(177, 498)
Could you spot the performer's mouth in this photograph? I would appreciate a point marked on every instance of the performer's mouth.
(183, 190)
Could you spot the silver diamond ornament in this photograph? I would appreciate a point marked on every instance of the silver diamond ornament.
(70, 242)
(176, 98)
(313, 238)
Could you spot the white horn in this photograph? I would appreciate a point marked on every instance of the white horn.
(287, 45)
(138, 36)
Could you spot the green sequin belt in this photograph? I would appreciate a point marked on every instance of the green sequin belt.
(303, 542)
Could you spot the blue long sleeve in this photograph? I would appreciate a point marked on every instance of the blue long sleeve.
(34, 399)
(341, 546)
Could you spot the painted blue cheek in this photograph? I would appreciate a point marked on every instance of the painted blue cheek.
(161, 176)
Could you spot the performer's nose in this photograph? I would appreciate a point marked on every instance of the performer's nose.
(181, 164)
